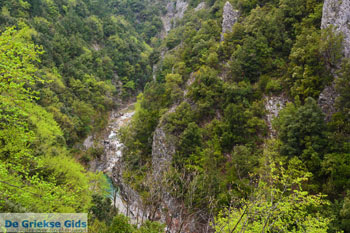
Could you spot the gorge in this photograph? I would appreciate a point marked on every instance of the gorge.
(177, 116)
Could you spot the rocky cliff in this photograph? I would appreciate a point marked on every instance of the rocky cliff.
(229, 18)
(273, 105)
(170, 210)
(162, 151)
(200, 6)
(175, 11)
(336, 13)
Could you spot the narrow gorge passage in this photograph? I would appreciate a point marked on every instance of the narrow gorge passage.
(110, 163)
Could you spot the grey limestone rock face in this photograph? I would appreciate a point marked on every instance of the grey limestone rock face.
(200, 6)
(273, 105)
(162, 151)
(336, 13)
(230, 17)
(170, 209)
(326, 101)
(88, 142)
(163, 147)
(175, 10)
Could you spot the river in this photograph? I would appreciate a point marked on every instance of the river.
(128, 201)
(110, 164)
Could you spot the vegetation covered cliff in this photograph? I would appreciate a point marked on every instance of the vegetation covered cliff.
(63, 66)
(238, 118)
(242, 123)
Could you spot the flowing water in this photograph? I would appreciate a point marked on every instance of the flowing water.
(113, 154)
(124, 198)
(113, 146)
(113, 149)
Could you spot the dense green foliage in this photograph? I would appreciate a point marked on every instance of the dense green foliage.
(64, 64)
(90, 47)
(214, 115)
(121, 224)
(36, 172)
(278, 203)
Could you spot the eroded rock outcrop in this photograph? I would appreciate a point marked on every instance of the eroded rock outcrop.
(88, 142)
(200, 6)
(229, 18)
(273, 105)
(163, 149)
(326, 100)
(175, 11)
(336, 13)
(128, 200)
(170, 210)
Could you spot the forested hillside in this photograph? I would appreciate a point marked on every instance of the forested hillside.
(211, 106)
(64, 65)
(241, 122)
(89, 47)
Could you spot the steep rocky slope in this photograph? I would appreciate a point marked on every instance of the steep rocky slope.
(230, 17)
(174, 11)
(227, 70)
(335, 14)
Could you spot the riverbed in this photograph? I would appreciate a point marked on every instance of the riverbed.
(110, 164)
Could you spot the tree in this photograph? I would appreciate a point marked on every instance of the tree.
(278, 203)
(18, 58)
(206, 91)
(36, 173)
(312, 57)
(151, 227)
(345, 213)
(302, 130)
(101, 208)
(173, 84)
(341, 119)
(120, 224)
